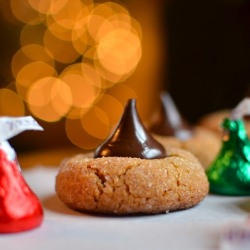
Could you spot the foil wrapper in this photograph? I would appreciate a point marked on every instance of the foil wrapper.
(20, 208)
(229, 174)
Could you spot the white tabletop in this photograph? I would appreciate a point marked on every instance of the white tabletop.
(195, 228)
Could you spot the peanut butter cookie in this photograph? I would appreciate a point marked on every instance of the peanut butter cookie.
(125, 185)
(131, 172)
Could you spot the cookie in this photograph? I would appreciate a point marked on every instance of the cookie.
(130, 173)
(170, 129)
(125, 185)
(213, 121)
(203, 143)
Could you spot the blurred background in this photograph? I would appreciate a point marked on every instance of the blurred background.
(73, 64)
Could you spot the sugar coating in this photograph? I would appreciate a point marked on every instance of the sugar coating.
(123, 185)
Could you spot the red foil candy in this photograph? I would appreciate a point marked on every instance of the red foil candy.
(20, 209)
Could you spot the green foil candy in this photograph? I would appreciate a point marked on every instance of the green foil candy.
(229, 174)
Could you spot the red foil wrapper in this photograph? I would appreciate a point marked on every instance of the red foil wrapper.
(20, 209)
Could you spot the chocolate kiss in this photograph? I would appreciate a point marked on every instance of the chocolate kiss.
(20, 209)
(229, 173)
(170, 122)
(130, 138)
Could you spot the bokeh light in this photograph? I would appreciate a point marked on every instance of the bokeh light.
(32, 34)
(56, 47)
(116, 54)
(49, 98)
(31, 73)
(112, 107)
(96, 123)
(28, 54)
(47, 6)
(84, 84)
(73, 60)
(10, 103)
(25, 13)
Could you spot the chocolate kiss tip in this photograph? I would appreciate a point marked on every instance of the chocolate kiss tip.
(170, 122)
(130, 138)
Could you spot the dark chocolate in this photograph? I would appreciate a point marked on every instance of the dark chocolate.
(169, 121)
(130, 138)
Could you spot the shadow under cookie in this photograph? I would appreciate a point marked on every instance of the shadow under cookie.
(54, 204)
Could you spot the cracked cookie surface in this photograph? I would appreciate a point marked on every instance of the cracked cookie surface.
(124, 185)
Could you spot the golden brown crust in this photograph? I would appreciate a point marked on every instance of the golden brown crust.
(204, 144)
(120, 185)
(214, 120)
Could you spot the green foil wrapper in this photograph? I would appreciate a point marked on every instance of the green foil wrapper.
(229, 174)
